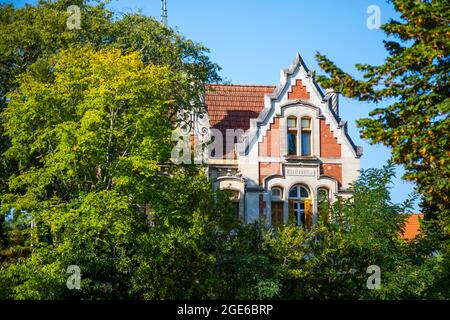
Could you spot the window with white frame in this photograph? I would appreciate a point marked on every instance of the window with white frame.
(292, 136)
(300, 206)
(299, 136)
(305, 140)
(277, 193)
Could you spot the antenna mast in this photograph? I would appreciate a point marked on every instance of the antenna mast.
(164, 11)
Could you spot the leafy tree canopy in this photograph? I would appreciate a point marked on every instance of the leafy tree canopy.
(32, 34)
(415, 75)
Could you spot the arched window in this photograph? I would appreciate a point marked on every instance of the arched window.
(323, 200)
(306, 136)
(322, 194)
(277, 206)
(298, 192)
(277, 193)
(300, 206)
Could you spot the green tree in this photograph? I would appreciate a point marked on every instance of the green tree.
(85, 119)
(245, 268)
(87, 134)
(177, 259)
(415, 79)
(331, 261)
(34, 33)
(89, 130)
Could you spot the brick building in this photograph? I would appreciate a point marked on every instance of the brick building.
(284, 147)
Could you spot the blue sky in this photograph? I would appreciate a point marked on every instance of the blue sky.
(253, 39)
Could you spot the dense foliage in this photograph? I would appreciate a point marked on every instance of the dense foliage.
(415, 79)
(32, 34)
(196, 249)
(86, 118)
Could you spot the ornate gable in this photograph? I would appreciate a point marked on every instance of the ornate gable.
(297, 87)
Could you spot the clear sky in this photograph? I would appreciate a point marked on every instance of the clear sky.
(253, 39)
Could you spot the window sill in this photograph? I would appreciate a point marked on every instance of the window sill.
(291, 158)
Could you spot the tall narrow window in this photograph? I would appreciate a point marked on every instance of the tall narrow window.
(234, 196)
(323, 204)
(292, 136)
(277, 207)
(306, 137)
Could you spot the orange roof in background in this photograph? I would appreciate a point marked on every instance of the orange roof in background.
(412, 226)
(232, 106)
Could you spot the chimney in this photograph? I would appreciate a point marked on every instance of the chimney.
(333, 100)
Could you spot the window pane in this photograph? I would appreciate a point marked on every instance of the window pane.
(277, 214)
(306, 143)
(292, 123)
(276, 192)
(304, 193)
(296, 214)
(293, 193)
(306, 123)
(292, 144)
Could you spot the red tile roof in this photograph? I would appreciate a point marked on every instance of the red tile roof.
(412, 226)
(232, 106)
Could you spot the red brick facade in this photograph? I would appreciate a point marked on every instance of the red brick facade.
(267, 169)
(333, 170)
(329, 146)
(298, 91)
(270, 146)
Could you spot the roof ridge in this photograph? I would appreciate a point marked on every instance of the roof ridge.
(240, 85)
